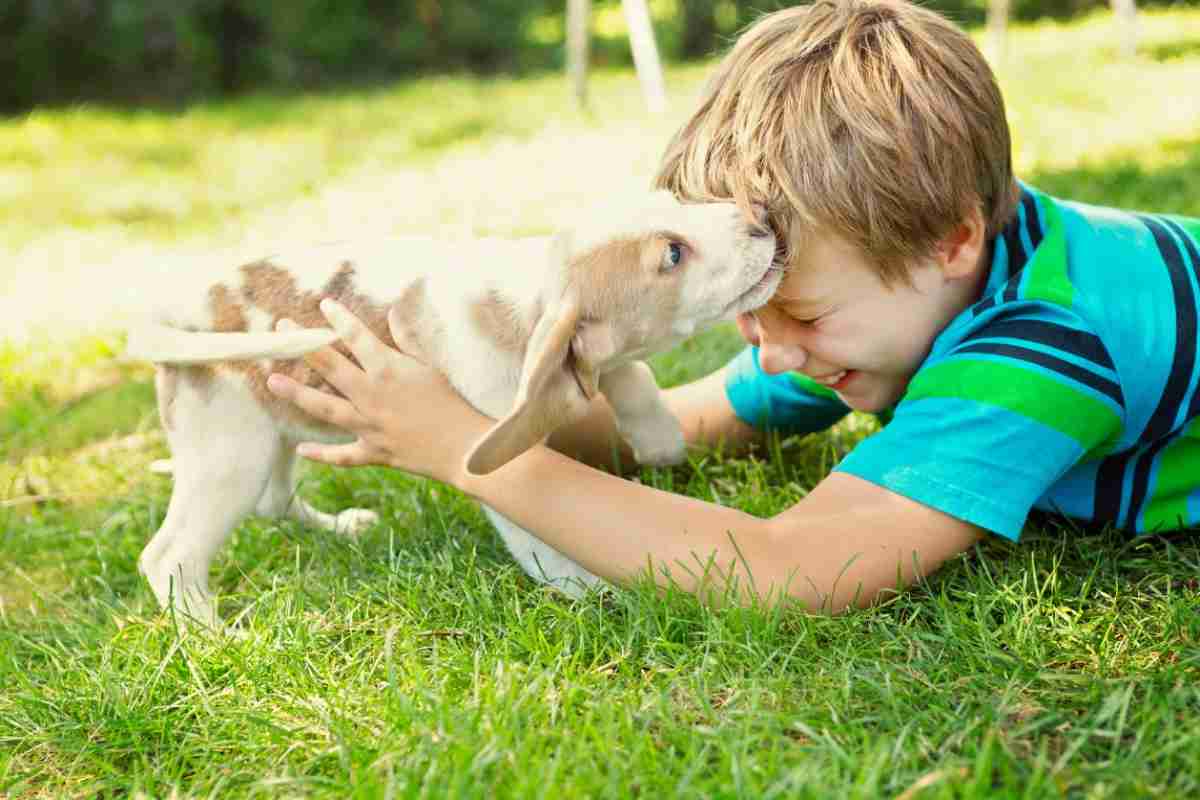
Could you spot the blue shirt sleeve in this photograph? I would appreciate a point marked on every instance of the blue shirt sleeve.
(982, 464)
(788, 402)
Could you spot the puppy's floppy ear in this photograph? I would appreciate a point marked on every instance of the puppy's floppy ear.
(558, 382)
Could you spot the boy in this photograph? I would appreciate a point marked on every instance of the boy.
(1034, 353)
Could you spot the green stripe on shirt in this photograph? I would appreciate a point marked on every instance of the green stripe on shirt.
(1178, 466)
(812, 387)
(1047, 270)
(1090, 422)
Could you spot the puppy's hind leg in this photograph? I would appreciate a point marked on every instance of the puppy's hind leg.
(223, 446)
(279, 499)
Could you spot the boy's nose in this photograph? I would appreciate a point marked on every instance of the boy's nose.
(775, 358)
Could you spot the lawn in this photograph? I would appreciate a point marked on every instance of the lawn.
(418, 661)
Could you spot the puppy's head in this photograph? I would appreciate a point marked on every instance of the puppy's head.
(622, 284)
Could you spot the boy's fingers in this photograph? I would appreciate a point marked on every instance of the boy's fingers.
(315, 403)
(337, 370)
(332, 365)
(369, 351)
(339, 455)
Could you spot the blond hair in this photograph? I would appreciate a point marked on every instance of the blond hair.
(876, 119)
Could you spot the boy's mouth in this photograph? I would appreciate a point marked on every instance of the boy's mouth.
(838, 380)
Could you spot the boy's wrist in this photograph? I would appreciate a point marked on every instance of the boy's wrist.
(451, 466)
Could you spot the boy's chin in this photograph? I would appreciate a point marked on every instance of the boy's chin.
(859, 404)
(870, 400)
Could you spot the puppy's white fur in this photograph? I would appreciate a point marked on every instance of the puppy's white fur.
(526, 330)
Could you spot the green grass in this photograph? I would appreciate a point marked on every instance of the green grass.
(419, 661)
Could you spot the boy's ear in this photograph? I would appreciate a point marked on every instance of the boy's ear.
(960, 251)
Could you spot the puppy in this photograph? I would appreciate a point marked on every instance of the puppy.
(527, 330)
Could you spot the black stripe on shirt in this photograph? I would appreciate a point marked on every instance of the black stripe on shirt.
(1183, 362)
(1032, 223)
(1189, 244)
(1081, 344)
(1017, 257)
(1141, 481)
(1110, 485)
(1052, 363)
(983, 305)
(1015, 250)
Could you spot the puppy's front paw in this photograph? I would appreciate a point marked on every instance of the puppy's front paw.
(657, 443)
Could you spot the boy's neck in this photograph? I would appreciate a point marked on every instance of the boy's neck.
(983, 270)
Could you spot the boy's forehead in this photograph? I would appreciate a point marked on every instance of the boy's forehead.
(801, 288)
(826, 271)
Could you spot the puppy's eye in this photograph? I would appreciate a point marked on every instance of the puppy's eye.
(672, 257)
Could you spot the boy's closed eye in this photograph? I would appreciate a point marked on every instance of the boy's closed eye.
(806, 316)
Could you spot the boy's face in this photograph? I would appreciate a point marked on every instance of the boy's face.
(834, 320)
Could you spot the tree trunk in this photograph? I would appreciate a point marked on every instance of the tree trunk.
(1127, 25)
(645, 54)
(997, 29)
(579, 14)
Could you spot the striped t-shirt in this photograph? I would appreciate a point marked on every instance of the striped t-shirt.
(1070, 387)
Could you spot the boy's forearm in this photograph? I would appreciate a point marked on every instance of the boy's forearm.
(618, 530)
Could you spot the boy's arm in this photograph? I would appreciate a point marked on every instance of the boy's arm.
(843, 545)
(703, 411)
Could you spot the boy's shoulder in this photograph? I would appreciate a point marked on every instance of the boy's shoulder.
(1076, 255)
(1084, 306)
(1123, 273)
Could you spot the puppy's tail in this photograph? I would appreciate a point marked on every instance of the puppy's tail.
(163, 344)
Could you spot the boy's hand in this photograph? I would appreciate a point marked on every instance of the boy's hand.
(403, 413)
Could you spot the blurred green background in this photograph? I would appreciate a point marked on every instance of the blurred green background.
(175, 51)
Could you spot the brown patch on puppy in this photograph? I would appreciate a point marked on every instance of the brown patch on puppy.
(500, 322)
(272, 290)
(411, 305)
(622, 278)
(228, 316)
(602, 272)
(417, 331)
(342, 282)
